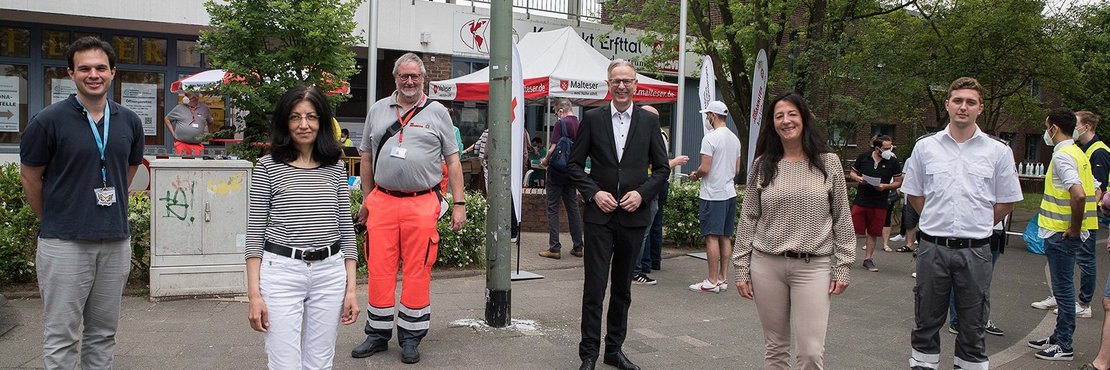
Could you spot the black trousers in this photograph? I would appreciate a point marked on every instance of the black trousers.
(618, 246)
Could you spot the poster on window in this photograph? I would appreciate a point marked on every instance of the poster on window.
(61, 89)
(143, 100)
(9, 104)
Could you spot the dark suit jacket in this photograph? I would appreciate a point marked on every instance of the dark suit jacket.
(643, 149)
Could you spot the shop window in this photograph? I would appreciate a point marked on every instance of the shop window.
(13, 102)
(54, 44)
(57, 86)
(143, 93)
(1033, 143)
(15, 42)
(187, 54)
(78, 35)
(154, 51)
(127, 49)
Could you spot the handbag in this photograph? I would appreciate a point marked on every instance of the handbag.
(1033, 242)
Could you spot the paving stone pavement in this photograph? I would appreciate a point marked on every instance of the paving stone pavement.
(670, 326)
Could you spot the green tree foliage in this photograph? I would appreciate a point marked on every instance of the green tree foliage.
(1086, 40)
(274, 45)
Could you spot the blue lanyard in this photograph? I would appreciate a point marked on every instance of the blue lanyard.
(101, 143)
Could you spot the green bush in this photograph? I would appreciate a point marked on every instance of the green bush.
(138, 215)
(680, 214)
(19, 231)
(463, 248)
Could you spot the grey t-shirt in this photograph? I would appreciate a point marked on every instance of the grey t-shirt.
(189, 124)
(428, 138)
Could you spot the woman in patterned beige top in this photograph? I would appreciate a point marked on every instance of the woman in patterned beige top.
(794, 243)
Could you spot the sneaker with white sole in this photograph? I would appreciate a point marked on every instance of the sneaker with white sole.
(643, 279)
(1056, 353)
(1045, 304)
(1041, 343)
(870, 265)
(993, 330)
(706, 287)
(952, 329)
(1080, 311)
(897, 238)
(913, 275)
(723, 285)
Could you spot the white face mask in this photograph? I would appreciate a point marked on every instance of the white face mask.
(1076, 134)
(887, 154)
(708, 125)
(1048, 139)
(185, 100)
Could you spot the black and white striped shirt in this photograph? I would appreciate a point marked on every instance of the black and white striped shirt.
(303, 208)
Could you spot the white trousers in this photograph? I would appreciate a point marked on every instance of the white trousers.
(303, 300)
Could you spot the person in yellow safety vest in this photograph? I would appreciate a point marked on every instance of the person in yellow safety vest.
(1066, 216)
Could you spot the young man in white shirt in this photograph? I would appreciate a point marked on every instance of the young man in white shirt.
(720, 162)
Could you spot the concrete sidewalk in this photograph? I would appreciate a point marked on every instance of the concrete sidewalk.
(670, 326)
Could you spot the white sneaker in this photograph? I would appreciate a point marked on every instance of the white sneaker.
(913, 275)
(1080, 311)
(706, 287)
(897, 238)
(724, 286)
(1047, 303)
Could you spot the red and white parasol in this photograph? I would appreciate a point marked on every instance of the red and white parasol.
(208, 79)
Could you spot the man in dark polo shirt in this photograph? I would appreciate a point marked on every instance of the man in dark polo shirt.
(878, 173)
(78, 158)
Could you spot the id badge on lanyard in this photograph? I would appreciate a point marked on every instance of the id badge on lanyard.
(105, 195)
(398, 151)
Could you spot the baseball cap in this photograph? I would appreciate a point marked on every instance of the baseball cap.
(716, 107)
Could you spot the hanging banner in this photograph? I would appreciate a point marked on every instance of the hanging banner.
(759, 90)
(516, 174)
(61, 89)
(9, 103)
(707, 91)
(143, 100)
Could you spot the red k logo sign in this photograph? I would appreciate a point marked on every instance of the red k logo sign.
(564, 84)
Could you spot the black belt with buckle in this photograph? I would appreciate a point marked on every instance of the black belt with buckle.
(307, 255)
(800, 256)
(405, 194)
(956, 243)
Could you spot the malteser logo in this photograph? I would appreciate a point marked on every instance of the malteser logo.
(564, 84)
(438, 90)
(585, 85)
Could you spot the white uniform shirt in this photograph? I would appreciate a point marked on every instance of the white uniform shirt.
(1065, 173)
(961, 183)
(621, 122)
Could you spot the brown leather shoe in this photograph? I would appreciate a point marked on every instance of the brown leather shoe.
(550, 254)
(576, 252)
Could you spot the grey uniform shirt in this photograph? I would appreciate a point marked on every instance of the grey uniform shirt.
(428, 137)
(189, 124)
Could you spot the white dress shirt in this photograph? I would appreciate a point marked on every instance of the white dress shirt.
(621, 122)
(961, 183)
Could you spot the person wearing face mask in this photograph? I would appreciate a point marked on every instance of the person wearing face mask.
(1066, 217)
(1099, 155)
(720, 163)
(187, 123)
(869, 209)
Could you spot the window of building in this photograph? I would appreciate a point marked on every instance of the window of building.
(882, 129)
(154, 51)
(54, 44)
(840, 135)
(15, 42)
(142, 92)
(1033, 143)
(1009, 138)
(13, 102)
(77, 35)
(127, 49)
(187, 54)
(57, 86)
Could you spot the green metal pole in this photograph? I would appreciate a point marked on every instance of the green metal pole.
(498, 284)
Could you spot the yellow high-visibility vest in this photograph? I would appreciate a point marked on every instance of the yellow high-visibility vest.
(1096, 146)
(1056, 204)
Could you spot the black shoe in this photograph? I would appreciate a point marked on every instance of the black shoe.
(369, 347)
(409, 353)
(620, 361)
(993, 330)
(576, 252)
(588, 364)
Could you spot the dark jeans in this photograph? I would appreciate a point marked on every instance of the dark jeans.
(1061, 265)
(651, 256)
(1085, 258)
(558, 188)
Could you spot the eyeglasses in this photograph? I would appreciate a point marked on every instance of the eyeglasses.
(618, 82)
(410, 77)
(296, 118)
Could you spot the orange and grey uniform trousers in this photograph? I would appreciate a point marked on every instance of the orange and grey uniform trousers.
(401, 230)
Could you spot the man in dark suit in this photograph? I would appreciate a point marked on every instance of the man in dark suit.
(622, 142)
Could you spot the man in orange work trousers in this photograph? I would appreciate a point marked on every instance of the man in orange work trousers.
(406, 140)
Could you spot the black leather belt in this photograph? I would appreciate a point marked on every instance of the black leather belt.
(405, 194)
(956, 243)
(308, 255)
(801, 256)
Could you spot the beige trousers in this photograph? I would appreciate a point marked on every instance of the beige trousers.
(789, 290)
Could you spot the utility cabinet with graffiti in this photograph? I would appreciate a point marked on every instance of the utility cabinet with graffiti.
(198, 227)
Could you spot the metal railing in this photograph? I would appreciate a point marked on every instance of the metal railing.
(579, 10)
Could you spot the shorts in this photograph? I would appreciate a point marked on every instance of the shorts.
(183, 148)
(717, 217)
(868, 221)
(909, 216)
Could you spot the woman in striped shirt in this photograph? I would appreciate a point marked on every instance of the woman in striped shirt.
(300, 248)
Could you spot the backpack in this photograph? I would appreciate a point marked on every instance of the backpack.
(561, 154)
